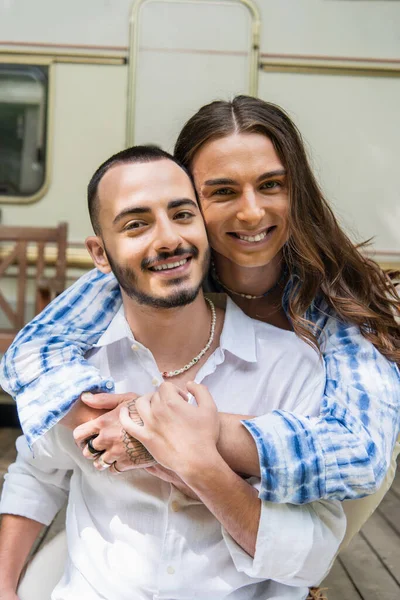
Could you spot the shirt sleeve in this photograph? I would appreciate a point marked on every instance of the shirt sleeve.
(44, 369)
(33, 487)
(345, 452)
(295, 545)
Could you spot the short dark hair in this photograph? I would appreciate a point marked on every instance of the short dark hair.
(136, 154)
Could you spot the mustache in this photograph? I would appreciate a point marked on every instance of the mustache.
(149, 262)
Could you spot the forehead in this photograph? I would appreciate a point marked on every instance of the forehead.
(152, 184)
(236, 155)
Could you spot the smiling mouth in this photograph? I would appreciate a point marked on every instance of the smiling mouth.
(170, 266)
(259, 237)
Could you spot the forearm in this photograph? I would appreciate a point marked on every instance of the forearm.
(44, 369)
(231, 500)
(236, 446)
(294, 545)
(17, 535)
(343, 461)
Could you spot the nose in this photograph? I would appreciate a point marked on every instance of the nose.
(167, 236)
(250, 210)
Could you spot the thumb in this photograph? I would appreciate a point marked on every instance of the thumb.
(106, 401)
(201, 394)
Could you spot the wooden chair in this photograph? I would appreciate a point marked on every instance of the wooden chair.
(14, 244)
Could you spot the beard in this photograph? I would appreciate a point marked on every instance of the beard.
(128, 280)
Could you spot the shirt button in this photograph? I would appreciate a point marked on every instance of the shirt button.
(175, 506)
(135, 347)
(154, 381)
(109, 385)
(170, 570)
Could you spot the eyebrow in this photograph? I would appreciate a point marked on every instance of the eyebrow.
(225, 181)
(141, 210)
(269, 174)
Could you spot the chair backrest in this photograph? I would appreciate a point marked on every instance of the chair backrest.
(14, 244)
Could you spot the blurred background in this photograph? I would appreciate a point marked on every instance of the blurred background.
(82, 79)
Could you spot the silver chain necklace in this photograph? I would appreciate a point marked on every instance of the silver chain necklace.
(214, 274)
(195, 360)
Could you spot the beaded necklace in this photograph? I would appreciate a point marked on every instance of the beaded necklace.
(195, 360)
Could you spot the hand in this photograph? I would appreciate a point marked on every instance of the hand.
(120, 448)
(81, 413)
(171, 477)
(103, 401)
(179, 435)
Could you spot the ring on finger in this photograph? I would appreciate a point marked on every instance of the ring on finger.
(90, 446)
(114, 466)
(103, 464)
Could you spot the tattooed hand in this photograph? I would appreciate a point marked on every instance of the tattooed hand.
(138, 454)
(120, 448)
(180, 435)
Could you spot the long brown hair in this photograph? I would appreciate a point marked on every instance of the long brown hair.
(318, 251)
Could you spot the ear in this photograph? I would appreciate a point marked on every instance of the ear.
(95, 247)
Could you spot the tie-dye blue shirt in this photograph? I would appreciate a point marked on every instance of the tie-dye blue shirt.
(342, 454)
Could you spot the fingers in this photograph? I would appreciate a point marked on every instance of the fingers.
(96, 426)
(84, 432)
(170, 392)
(106, 401)
(183, 394)
(132, 428)
(201, 394)
(142, 406)
(89, 455)
(103, 462)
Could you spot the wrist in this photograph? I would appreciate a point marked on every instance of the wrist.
(202, 469)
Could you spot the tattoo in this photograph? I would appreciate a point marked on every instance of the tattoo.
(134, 449)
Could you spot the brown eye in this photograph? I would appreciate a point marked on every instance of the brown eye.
(134, 225)
(184, 214)
(223, 191)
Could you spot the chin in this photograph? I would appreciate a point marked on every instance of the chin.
(252, 260)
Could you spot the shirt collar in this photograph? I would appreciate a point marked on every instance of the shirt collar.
(117, 330)
(237, 336)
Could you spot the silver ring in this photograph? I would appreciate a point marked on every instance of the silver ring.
(103, 464)
(90, 446)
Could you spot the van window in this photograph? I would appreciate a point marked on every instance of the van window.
(23, 111)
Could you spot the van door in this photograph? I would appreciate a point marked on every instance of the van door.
(183, 54)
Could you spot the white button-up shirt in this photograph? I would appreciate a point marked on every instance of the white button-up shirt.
(133, 536)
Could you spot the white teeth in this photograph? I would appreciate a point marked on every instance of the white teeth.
(252, 238)
(171, 265)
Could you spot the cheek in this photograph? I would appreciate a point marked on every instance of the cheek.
(131, 251)
(281, 209)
